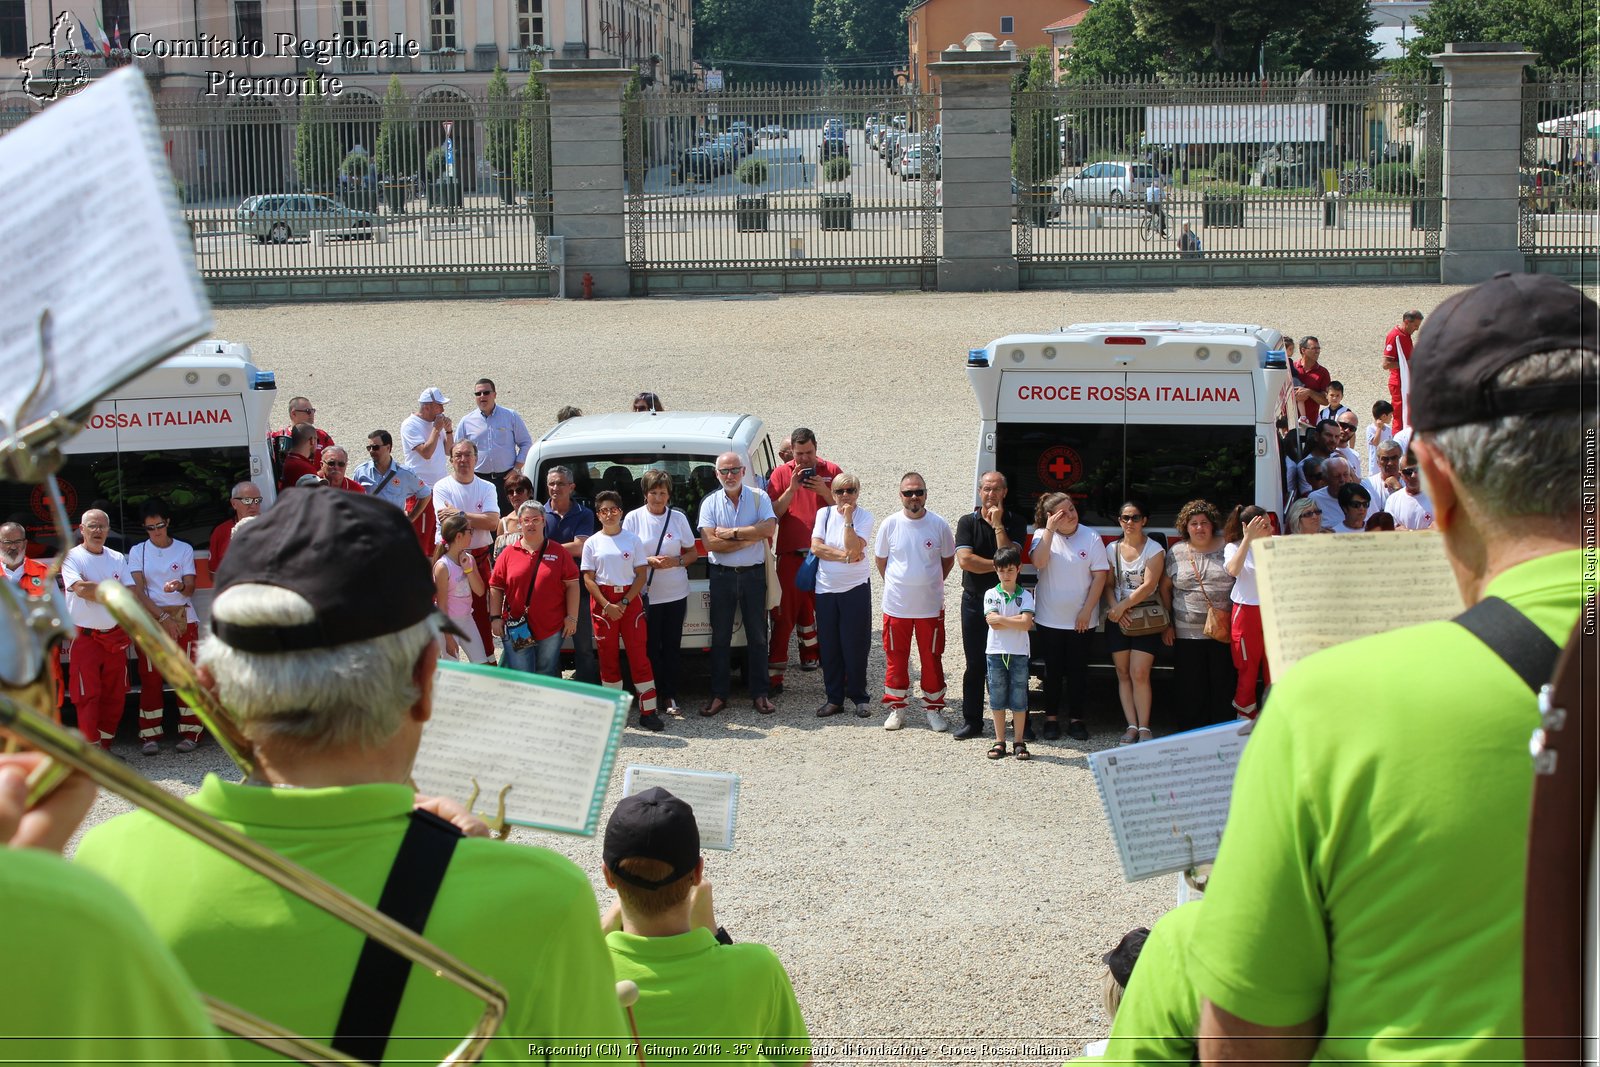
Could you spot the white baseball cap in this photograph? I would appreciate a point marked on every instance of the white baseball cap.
(433, 396)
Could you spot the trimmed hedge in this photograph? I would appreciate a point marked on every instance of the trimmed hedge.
(752, 171)
(836, 169)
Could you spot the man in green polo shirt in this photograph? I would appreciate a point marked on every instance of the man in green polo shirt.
(85, 980)
(701, 997)
(323, 646)
(1367, 901)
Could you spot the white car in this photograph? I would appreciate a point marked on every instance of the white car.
(1110, 182)
(773, 132)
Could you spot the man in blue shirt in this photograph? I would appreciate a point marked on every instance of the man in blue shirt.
(501, 436)
(735, 525)
(569, 524)
(386, 479)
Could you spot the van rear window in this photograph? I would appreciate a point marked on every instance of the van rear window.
(1103, 464)
(692, 478)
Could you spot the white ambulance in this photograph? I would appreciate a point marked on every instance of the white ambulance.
(186, 431)
(1155, 412)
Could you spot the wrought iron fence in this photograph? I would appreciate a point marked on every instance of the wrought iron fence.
(843, 176)
(356, 186)
(1558, 183)
(1237, 168)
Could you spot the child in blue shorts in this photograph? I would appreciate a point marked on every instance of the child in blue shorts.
(1008, 609)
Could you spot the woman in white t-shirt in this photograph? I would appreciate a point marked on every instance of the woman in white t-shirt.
(1246, 526)
(840, 538)
(669, 547)
(1137, 563)
(1072, 571)
(614, 571)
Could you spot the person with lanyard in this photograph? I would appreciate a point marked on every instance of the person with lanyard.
(1369, 898)
(570, 523)
(614, 571)
(163, 580)
(734, 526)
(382, 476)
(980, 533)
(668, 538)
(329, 673)
(533, 597)
(501, 436)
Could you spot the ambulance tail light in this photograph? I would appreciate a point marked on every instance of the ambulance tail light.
(977, 357)
(263, 379)
(1119, 340)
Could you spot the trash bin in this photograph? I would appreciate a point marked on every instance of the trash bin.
(1220, 210)
(1333, 211)
(750, 214)
(838, 212)
(1038, 204)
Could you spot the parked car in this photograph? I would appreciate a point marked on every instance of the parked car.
(902, 145)
(774, 132)
(919, 161)
(1112, 181)
(277, 217)
(1042, 203)
(746, 134)
(890, 145)
(699, 164)
(734, 146)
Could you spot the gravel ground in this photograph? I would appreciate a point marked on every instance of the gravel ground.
(913, 888)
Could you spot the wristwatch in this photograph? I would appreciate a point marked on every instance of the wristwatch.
(493, 617)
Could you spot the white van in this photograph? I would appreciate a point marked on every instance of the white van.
(613, 452)
(1156, 412)
(185, 431)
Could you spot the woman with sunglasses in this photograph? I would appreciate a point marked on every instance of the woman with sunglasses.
(1137, 564)
(839, 539)
(518, 490)
(1354, 500)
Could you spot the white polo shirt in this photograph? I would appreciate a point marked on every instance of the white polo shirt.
(1007, 642)
(612, 559)
(477, 497)
(160, 566)
(913, 581)
(672, 584)
(1064, 585)
(81, 565)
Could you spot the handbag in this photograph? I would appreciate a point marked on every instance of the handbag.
(774, 590)
(1219, 627)
(519, 632)
(805, 579)
(1141, 619)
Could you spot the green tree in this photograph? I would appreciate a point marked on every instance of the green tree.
(1033, 135)
(316, 151)
(858, 32)
(1563, 33)
(395, 153)
(1107, 44)
(531, 174)
(500, 123)
(769, 41)
(1330, 35)
(1212, 35)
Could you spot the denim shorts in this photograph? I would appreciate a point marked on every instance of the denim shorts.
(1008, 682)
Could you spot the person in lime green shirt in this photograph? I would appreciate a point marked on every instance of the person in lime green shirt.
(700, 996)
(86, 980)
(1367, 901)
(323, 647)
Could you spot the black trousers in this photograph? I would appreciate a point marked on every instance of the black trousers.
(664, 643)
(1066, 669)
(498, 480)
(743, 590)
(1205, 678)
(974, 638)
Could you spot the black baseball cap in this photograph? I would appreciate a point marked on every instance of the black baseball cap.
(1476, 334)
(652, 825)
(1122, 958)
(354, 557)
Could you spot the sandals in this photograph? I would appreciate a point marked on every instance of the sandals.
(998, 750)
(1019, 749)
(1130, 736)
(1145, 734)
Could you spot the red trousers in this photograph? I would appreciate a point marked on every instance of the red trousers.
(480, 604)
(897, 637)
(150, 695)
(426, 525)
(629, 632)
(797, 611)
(99, 683)
(1249, 654)
(1396, 399)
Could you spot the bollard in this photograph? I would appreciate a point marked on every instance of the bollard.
(588, 286)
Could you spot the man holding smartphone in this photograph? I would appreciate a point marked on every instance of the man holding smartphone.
(799, 489)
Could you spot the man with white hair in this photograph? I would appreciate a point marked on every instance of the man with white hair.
(733, 526)
(1387, 467)
(329, 673)
(245, 499)
(99, 656)
(335, 465)
(1336, 473)
(426, 438)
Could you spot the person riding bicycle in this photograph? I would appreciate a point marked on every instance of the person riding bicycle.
(1154, 195)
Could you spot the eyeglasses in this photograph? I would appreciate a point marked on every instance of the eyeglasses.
(846, 489)
(483, 392)
(608, 510)
(729, 472)
(333, 463)
(97, 528)
(374, 448)
(14, 543)
(913, 492)
(248, 499)
(153, 526)
(1388, 459)
(1409, 472)
(303, 411)
(518, 491)
(1130, 518)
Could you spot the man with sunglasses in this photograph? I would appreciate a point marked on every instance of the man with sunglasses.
(501, 437)
(381, 476)
(914, 550)
(301, 411)
(245, 499)
(734, 524)
(1349, 423)
(163, 579)
(335, 462)
(1410, 506)
(99, 655)
(1368, 901)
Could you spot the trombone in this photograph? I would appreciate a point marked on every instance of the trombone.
(36, 625)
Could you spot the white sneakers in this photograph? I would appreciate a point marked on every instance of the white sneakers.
(936, 722)
(895, 720)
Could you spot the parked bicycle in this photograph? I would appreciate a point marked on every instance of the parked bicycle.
(1358, 180)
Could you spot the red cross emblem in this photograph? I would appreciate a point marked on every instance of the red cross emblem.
(627, 555)
(1060, 466)
(1083, 555)
(927, 544)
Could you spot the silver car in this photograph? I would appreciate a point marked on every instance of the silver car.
(277, 217)
(1110, 182)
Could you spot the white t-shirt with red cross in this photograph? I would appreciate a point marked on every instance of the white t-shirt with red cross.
(160, 566)
(81, 565)
(476, 497)
(613, 557)
(913, 580)
(1412, 512)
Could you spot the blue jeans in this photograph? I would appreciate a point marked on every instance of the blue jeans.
(541, 657)
(844, 633)
(744, 591)
(1008, 683)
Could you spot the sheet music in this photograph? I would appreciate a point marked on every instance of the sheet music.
(553, 741)
(1167, 800)
(92, 232)
(1384, 581)
(714, 796)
